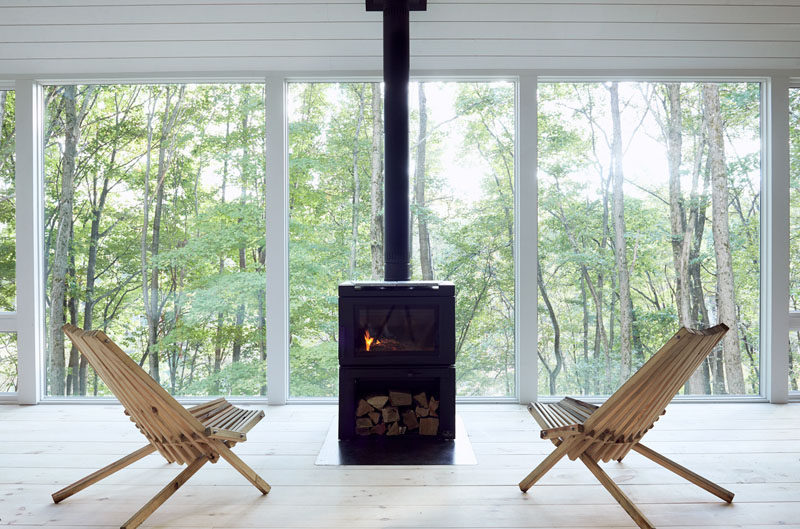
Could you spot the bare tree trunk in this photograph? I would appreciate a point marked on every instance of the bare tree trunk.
(553, 372)
(618, 211)
(425, 260)
(677, 214)
(587, 384)
(238, 334)
(58, 283)
(218, 349)
(262, 319)
(356, 201)
(726, 305)
(376, 186)
(165, 152)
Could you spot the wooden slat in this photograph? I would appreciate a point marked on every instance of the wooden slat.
(176, 432)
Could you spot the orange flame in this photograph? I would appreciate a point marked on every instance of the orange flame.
(369, 340)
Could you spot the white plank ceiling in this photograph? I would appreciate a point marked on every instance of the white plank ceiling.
(105, 37)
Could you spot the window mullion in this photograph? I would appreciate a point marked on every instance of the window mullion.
(30, 322)
(775, 241)
(277, 248)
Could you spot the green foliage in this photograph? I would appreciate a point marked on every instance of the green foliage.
(576, 250)
(210, 258)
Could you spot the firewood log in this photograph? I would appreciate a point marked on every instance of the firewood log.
(434, 406)
(379, 429)
(375, 416)
(400, 398)
(363, 408)
(378, 401)
(364, 422)
(394, 429)
(410, 419)
(421, 399)
(363, 431)
(422, 412)
(390, 414)
(429, 426)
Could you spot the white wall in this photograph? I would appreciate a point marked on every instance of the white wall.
(70, 37)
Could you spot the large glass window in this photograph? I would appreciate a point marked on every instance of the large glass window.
(154, 232)
(649, 219)
(8, 238)
(794, 234)
(462, 196)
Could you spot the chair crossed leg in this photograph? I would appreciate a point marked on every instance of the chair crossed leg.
(141, 515)
(625, 502)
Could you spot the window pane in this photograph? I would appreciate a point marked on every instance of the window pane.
(649, 206)
(8, 237)
(794, 232)
(8, 362)
(154, 232)
(463, 206)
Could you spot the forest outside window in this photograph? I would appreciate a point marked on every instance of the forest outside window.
(649, 219)
(462, 212)
(154, 232)
(794, 234)
(8, 237)
(8, 240)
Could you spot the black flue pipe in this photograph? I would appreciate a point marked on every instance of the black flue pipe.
(397, 240)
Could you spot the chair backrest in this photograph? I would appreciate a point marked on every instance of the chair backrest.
(637, 404)
(172, 429)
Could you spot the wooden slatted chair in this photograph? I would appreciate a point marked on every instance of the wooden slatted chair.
(191, 436)
(593, 434)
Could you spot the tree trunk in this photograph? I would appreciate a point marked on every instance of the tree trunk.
(587, 383)
(165, 152)
(677, 214)
(58, 283)
(726, 306)
(376, 186)
(238, 334)
(425, 260)
(74, 354)
(618, 211)
(356, 199)
(551, 372)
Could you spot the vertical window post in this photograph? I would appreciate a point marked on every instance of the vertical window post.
(527, 236)
(277, 256)
(775, 241)
(29, 229)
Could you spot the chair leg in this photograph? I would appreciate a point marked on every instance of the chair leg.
(685, 473)
(251, 475)
(104, 472)
(142, 514)
(632, 510)
(548, 463)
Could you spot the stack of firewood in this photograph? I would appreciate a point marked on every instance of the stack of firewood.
(397, 414)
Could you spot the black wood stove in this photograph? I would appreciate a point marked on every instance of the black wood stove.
(396, 337)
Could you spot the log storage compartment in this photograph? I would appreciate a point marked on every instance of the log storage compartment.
(396, 358)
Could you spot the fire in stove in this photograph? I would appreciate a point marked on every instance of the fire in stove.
(368, 340)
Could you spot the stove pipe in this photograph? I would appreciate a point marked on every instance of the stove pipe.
(397, 240)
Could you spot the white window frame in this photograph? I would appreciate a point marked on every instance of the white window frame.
(29, 319)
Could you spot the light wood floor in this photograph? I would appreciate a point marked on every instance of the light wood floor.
(751, 449)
